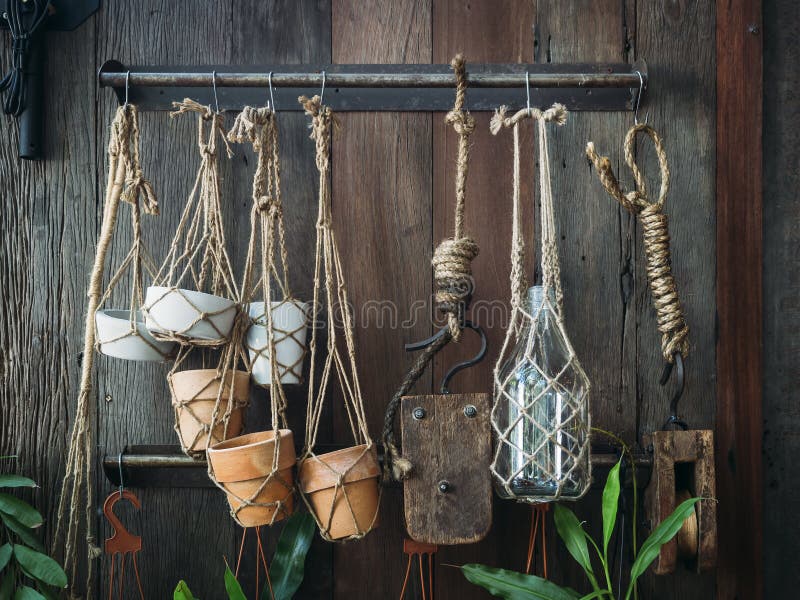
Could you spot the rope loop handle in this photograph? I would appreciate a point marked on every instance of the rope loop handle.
(655, 231)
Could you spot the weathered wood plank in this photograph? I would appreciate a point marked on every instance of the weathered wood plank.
(739, 297)
(382, 207)
(781, 294)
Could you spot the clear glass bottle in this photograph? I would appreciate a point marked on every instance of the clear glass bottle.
(542, 412)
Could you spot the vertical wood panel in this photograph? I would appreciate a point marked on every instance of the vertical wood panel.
(382, 207)
(739, 301)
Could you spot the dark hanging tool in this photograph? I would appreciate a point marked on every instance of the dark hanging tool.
(23, 85)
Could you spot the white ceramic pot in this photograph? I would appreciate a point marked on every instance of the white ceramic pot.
(290, 320)
(174, 311)
(117, 338)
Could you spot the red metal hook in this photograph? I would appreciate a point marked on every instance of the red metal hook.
(121, 542)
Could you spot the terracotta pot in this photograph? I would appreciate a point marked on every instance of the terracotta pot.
(242, 464)
(179, 312)
(194, 394)
(290, 318)
(317, 478)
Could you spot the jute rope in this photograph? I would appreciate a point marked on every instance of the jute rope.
(452, 259)
(655, 231)
(570, 431)
(452, 272)
(329, 276)
(76, 503)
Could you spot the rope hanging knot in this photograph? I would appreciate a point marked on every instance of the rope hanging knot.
(452, 272)
(655, 231)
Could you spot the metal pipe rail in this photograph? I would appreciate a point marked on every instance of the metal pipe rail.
(381, 87)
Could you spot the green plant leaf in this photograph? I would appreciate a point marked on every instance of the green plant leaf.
(570, 531)
(21, 511)
(5, 555)
(25, 534)
(182, 592)
(40, 566)
(14, 481)
(232, 586)
(288, 564)
(511, 585)
(665, 531)
(27, 593)
(610, 505)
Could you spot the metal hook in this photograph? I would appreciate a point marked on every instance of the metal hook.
(271, 97)
(121, 483)
(528, 88)
(127, 87)
(214, 84)
(322, 92)
(674, 419)
(639, 99)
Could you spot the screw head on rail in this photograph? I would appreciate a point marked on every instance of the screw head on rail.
(470, 411)
(418, 413)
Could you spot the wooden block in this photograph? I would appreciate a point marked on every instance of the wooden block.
(671, 449)
(448, 495)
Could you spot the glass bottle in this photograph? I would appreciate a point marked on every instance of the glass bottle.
(541, 412)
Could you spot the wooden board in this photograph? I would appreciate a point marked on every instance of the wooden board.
(781, 298)
(445, 444)
(739, 298)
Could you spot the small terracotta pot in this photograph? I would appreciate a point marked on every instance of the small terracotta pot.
(317, 478)
(194, 394)
(241, 465)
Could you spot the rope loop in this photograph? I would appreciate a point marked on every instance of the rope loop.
(655, 232)
(452, 272)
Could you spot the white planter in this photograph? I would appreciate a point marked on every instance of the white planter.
(291, 321)
(171, 311)
(116, 338)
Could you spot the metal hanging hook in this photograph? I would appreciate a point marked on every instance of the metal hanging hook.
(121, 483)
(271, 97)
(322, 92)
(127, 87)
(214, 85)
(528, 89)
(639, 99)
(674, 419)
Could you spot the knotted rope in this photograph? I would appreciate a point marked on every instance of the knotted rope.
(452, 272)
(655, 231)
(329, 275)
(76, 503)
(452, 259)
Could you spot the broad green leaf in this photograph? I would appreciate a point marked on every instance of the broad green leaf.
(288, 564)
(21, 511)
(5, 555)
(25, 534)
(182, 592)
(511, 585)
(27, 593)
(40, 566)
(610, 505)
(232, 586)
(571, 532)
(15, 481)
(665, 531)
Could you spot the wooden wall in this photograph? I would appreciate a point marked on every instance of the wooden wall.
(392, 199)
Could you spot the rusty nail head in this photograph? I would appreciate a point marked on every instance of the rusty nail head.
(419, 413)
(470, 411)
(444, 486)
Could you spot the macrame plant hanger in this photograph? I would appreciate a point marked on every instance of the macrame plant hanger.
(127, 183)
(455, 426)
(197, 261)
(340, 488)
(696, 541)
(575, 454)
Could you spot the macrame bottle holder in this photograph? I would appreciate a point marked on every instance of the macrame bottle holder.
(571, 428)
(255, 470)
(340, 488)
(76, 503)
(193, 297)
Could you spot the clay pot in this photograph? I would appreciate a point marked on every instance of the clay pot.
(194, 394)
(317, 478)
(289, 317)
(242, 464)
(177, 312)
(117, 337)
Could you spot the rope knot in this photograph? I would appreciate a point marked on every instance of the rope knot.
(463, 123)
(138, 187)
(452, 272)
